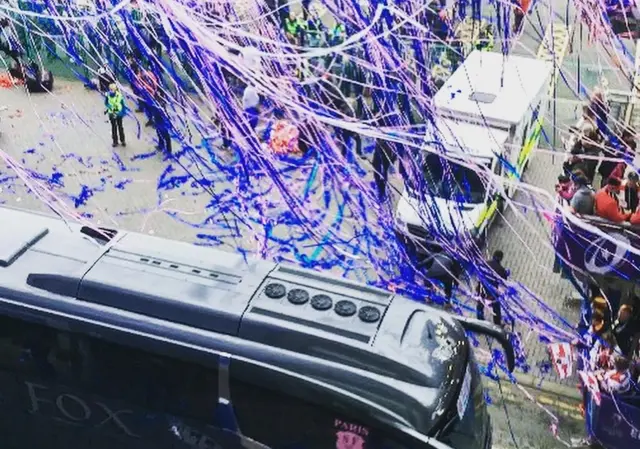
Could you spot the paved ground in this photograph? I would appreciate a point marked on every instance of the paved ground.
(522, 425)
(65, 140)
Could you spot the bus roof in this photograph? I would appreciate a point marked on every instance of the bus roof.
(467, 140)
(491, 88)
(338, 331)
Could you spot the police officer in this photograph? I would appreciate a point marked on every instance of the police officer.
(115, 109)
(294, 28)
(314, 30)
(336, 35)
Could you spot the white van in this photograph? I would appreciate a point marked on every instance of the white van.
(490, 113)
(457, 196)
(506, 93)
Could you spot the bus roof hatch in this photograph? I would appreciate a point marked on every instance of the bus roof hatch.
(174, 281)
(16, 238)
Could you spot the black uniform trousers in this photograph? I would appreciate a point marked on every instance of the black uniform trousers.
(116, 129)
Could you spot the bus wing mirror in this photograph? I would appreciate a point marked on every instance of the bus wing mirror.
(493, 331)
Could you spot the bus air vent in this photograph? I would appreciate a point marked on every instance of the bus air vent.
(345, 308)
(369, 314)
(275, 291)
(101, 235)
(16, 238)
(321, 302)
(316, 310)
(298, 296)
(323, 317)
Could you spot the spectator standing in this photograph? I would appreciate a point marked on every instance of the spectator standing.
(105, 79)
(332, 97)
(583, 200)
(589, 141)
(251, 105)
(607, 205)
(565, 190)
(610, 166)
(627, 324)
(161, 122)
(315, 29)
(9, 42)
(135, 84)
(354, 83)
(521, 7)
(384, 157)
(629, 145)
(631, 191)
(600, 108)
(603, 350)
(294, 29)
(115, 109)
(618, 379)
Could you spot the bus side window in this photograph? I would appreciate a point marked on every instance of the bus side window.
(278, 419)
(151, 381)
(35, 351)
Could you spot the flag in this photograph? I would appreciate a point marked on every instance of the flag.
(562, 358)
(591, 383)
(616, 381)
(554, 429)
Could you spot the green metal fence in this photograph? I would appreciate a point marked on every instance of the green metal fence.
(44, 41)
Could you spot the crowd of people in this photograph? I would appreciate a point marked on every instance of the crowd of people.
(595, 148)
(598, 148)
(611, 344)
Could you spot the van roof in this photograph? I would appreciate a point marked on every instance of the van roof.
(509, 85)
(467, 139)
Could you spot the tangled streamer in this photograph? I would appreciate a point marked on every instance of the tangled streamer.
(290, 179)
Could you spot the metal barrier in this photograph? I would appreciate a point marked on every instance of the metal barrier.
(67, 55)
(553, 48)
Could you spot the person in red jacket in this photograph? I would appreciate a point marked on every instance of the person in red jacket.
(520, 10)
(606, 202)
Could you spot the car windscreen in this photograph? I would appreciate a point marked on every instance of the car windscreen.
(450, 181)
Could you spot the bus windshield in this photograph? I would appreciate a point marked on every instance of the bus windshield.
(450, 181)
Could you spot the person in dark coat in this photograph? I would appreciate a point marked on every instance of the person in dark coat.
(331, 97)
(441, 268)
(161, 122)
(488, 292)
(105, 79)
(384, 156)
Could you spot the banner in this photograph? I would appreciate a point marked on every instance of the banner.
(596, 254)
(614, 423)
